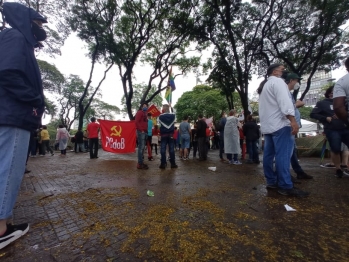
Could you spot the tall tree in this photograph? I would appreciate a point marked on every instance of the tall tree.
(139, 32)
(202, 100)
(304, 35)
(93, 22)
(139, 90)
(57, 29)
(52, 78)
(235, 31)
(69, 100)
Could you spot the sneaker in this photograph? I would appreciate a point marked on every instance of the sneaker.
(294, 181)
(185, 158)
(174, 166)
(271, 187)
(339, 173)
(328, 165)
(42, 155)
(293, 192)
(303, 175)
(237, 162)
(142, 166)
(12, 233)
(162, 166)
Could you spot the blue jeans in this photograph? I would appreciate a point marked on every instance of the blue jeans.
(278, 145)
(167, 140)
(252, 150)
(14, 144)
(141, 139)
(294, 161)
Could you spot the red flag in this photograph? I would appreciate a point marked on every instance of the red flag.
(154, 111)
(118, 136)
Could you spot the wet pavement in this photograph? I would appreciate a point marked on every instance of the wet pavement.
(98, 210)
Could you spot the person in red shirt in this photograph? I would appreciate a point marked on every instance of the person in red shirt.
(92, 130)
(141, 121)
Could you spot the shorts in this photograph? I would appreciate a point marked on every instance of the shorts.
(185, 141)
(335, 139)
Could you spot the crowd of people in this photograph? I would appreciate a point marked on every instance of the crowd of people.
(22, 106)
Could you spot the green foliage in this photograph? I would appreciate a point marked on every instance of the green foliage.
(57, 28)
(50, 107)
(202, 100)
(304, 35)
(134, 32)
(305, 113)
(102, 110)
(139, 90)
(52, 78)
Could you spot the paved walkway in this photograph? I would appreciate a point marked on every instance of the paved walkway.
(98, 210)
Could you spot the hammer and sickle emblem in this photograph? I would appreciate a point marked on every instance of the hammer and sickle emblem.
(115, 131)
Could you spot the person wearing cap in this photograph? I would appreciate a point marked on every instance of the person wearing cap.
(141, 121)
(21, 105)
(278, 124)
(292, 81)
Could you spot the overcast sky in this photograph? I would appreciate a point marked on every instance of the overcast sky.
(74, 61)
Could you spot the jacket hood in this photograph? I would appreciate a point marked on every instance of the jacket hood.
(20, 17)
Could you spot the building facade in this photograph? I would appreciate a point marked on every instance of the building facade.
(318, 81)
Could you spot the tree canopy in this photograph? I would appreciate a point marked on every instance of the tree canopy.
(202, 100)
(134, 32)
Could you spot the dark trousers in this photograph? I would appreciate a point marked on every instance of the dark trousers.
(195, 148)
(46, 146)
(93, 144)
(221, 148)
(252, 150)
(156, 148)
(167, 141)
(294, 161)
(202, 148)
(33, 142)
(86, 144)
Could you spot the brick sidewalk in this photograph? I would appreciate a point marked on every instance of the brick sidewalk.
(97, 210)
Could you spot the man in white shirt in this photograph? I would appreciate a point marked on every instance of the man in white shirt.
(278, 124)
(340, 95)
(341, 105)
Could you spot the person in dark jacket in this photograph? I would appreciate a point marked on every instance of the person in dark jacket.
(220, 128)
(21, 105)
(251, 132)
(79, 141)
(166, 120)
(334, 128)
(201, 136)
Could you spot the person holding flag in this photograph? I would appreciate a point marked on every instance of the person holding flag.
(170, 88)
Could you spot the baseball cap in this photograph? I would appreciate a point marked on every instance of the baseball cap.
(292, 76)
